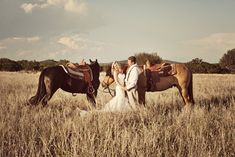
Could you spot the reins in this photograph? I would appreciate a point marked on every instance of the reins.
(110, 91)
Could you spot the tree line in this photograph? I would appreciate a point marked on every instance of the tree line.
(226, 64)
(11, 65)
(197, 65)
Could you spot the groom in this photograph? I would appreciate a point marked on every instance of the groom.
(131, 81)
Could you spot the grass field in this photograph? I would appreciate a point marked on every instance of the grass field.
(162, 128)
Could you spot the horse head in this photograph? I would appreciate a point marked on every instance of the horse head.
(108, 79)
(95, 68)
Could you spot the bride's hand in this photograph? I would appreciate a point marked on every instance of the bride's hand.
(124, 88)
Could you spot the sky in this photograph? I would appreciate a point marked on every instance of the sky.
(109, 30)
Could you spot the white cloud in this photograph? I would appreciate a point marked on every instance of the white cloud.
(218, 41)
(71, 46)
(33, 39)
(23, 39)
(18, 41)
(28, 7)
(74, 6)
(78, 42)
(2, 47)
(68, 42)
(54, 2)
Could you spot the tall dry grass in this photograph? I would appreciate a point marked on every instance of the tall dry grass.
(162, 128)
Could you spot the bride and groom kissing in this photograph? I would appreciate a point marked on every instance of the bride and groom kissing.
(126, 97)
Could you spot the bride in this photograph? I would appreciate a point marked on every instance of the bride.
(119, 103)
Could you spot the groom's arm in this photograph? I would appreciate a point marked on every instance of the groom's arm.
(133, 78)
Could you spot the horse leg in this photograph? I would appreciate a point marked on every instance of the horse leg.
(187, 89)
(185, 94)
(180, 91)
(190, 89)
(91, 99)
(184, 83)
(141, 95)
(50, 90)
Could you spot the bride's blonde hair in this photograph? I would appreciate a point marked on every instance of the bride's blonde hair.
(115, 70)
(115, 66)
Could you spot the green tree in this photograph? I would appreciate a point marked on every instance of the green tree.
(29, 65)
(9, 65)
(197, 61)
(228, 59)
(197, 65)
(152, 57)
(216, 68)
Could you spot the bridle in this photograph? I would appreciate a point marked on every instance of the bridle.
(107, 89)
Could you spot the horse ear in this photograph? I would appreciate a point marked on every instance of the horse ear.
(96, 61)
(90, 61)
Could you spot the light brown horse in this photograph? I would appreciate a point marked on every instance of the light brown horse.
(160, 77)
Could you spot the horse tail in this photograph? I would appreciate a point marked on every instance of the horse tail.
(41, 91)
(190, 88)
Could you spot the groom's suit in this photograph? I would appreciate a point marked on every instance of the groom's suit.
(131, 84)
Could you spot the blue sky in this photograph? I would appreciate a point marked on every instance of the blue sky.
(109, 30)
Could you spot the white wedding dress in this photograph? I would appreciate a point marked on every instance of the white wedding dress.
(119, 103)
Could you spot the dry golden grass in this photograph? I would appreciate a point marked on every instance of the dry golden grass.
(162, 128)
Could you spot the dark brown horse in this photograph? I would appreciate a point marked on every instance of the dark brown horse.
(153, 80)
(53, 78)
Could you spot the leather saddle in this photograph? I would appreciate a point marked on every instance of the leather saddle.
(78, 71)
(82, 72)
(164, 69)
(159, 70)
